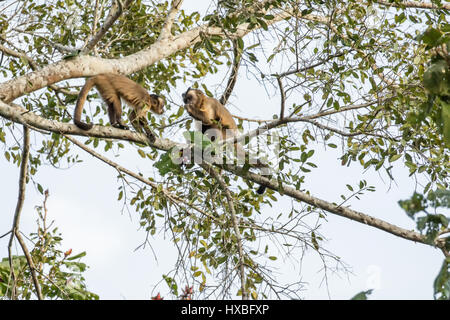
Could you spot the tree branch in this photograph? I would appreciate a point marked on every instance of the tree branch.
(33, 65)
(16, 222)
(114, 14)
(283, 97)
(172, 197)
(237, 55)
(85, 66)
(413, 4)
(166, 31)
(21, 115)
(235, 222)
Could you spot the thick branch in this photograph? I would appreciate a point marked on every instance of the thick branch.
(166, 31)
(330, 207)
(33, 66)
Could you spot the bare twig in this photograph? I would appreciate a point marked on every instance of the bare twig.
(237, 55)
(114, 14)
(170, 196)
(16, 222)
(234, 219)
(283, 97)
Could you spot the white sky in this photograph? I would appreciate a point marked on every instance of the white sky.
(83, 201)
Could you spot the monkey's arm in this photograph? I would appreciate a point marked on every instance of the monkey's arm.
(198, 114)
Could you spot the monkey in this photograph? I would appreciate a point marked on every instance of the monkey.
(210, 112)
(113, 87)
(213, 115)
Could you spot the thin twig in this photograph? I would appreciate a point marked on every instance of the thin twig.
(235, 222)
(114, 14)
(237, 55)
(283, 97)
(16, 222)
(172, 197)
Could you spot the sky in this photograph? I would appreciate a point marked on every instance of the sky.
(83, 203)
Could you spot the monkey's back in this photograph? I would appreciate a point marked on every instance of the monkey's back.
(133, 93)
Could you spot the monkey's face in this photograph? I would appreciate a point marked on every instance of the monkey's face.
(192, 97)
(157, 104)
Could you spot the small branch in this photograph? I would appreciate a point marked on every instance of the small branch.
(299, 70)
(234, 219)
(16, 222)
(414, 4)
(61, 48)
(343, 133)
(37, 286)
(277, 123)
(251, 120)
(237, 55)
(172, 197)
(166, 31)
(283, 97)
(114, 14)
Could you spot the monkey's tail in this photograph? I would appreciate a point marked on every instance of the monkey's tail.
(80, 103)
(263, 167)
(261, 189)
(266, 171)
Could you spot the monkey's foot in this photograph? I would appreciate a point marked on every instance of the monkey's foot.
(120, 126)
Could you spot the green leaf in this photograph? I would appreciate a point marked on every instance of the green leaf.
(435, 79)
(441, 284)
(394, 157)
(80, 255)
(363, 295)
(431, 37)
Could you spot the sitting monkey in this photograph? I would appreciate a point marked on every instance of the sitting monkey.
(213, 117)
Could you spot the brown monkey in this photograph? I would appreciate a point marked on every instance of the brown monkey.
(113, 87)
(210, 112)
(213, 115)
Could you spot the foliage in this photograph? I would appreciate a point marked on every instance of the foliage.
(60, 273)
(436, 79)
(363, 295)
(434, 225)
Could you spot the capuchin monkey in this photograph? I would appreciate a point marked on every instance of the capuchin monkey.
(214, 117)
(211, 113)
(113, 88)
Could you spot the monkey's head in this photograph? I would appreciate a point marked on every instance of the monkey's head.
(157, 104)
(193, 97)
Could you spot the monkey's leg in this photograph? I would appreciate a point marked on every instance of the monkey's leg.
(115, 112)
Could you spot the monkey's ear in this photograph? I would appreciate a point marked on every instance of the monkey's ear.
(184, 95)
